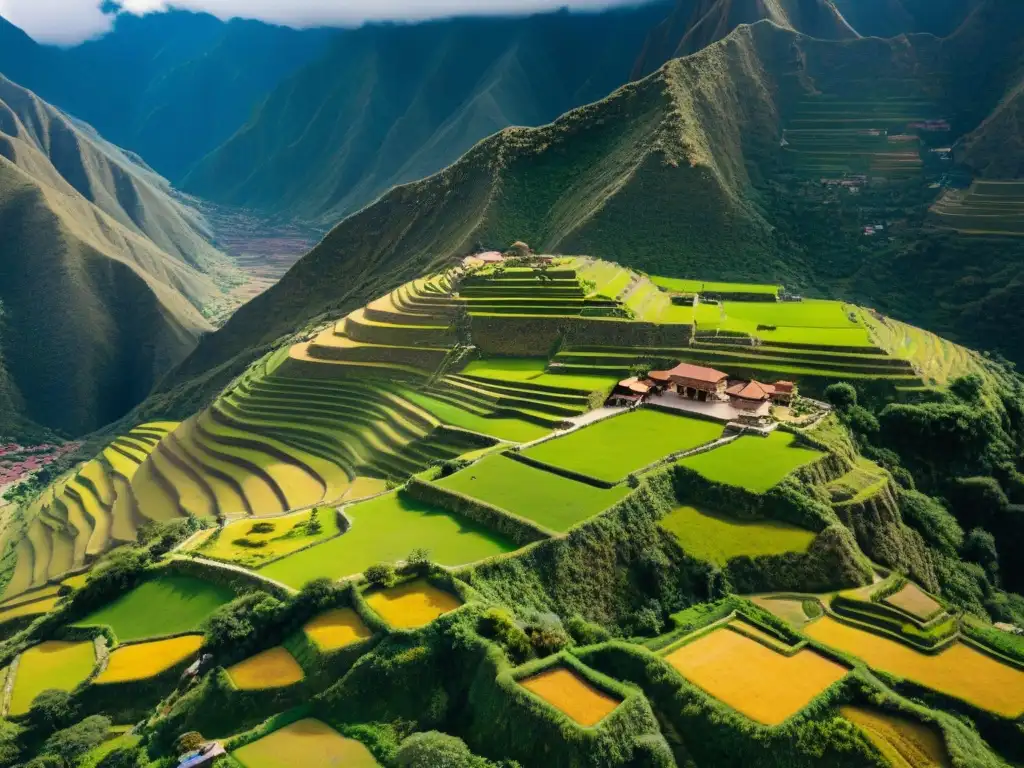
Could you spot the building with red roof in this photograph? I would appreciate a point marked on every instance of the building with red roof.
(693, 381)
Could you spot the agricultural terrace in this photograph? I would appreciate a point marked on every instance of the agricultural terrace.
(903, 742)
(553, 501)
(752, 462)
(506, 368)
(386, 529)
(939, 361)
(793, 611)
(140, 661)
(272, 668)
(166, 605)
(31, 608)
(812, 321)
(337, 628)
(958, 670)
(717, 538)
(613, 448)
(987, 208)
(764, 685)
(915, 601)
(681, 285)
(253, 542)
(306, 742)
(567, 691)
(53, 664)
(413, 604)
(500, 427)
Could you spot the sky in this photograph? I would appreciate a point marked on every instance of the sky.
(66, 22)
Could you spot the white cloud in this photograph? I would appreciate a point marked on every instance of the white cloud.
(70, 21)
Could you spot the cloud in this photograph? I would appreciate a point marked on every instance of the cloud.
(69, 21)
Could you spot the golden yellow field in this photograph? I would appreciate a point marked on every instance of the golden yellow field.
(50, 590)
(567, 691)
(751, 631)
(142, 660)
(306, 742)
(764, 685)
(34, 608)
(336, 629)
(914, 601)
(412, 605)
(959, 670)
(273, 668)
(905, 743)
(53, 664)
(77, 581)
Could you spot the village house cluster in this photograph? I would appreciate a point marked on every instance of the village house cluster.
(18, 461)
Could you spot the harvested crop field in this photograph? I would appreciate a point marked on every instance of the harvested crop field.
(411, 605)
(253, 542)
(139, 661)
(306, 742)
(613, 448)
(551, 500)
(272, 668)
(567, 691)
(958, 671)
(717, 538)
(914, 601)
(336, 629)
(386, 529)
(764, 685)
(52, 664)
(754, 463)
(165, 605)
(905, 743)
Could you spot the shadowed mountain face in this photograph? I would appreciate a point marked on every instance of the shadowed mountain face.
(102, 271)
(168, 86)
(888, 18)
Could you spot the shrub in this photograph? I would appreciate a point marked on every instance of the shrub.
(51, 710)
(433, 749)
(380, 575)
(980, 500)
(189, 742)
(71, 743)
(546, 634)
(586, 632)
(313, 525)
(841, 394)
(262, 527)
(646, 621)
(418, 562)
(967, 388)
(497, 624)
(932, 520)
(249, 543)
(238, 626)
(122, 757)
(980, 547)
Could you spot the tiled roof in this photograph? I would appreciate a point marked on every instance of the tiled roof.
(751, 390)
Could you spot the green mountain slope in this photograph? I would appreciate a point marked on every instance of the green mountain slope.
(169, 86)
(103, 271)
(888, 18)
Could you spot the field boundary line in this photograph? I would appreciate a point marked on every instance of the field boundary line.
(12, 674)
(236, 569)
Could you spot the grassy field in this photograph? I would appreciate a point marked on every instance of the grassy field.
(914, 601)
(553, 501)
(52, 664)
(140, 661)
(680, 285)
(163, 606)
(336, 629)
(386, 529)
(567, 691)
(959, 671)
(764, 685)
(751, 462)
(903, 742)
(613, 448)
(411, 605)
(718, 538)
(514, 430)
(306, 742)
(273, 668)
(248, 543)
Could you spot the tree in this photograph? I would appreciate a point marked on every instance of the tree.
(122, 757)
(980, 547)
(189, 742)
(841, 394)
(52, 710)
(418, 561)
(433, 749)
(71, 743)
(978, 500)
(242, 623)
(380, 575)
(967, 388)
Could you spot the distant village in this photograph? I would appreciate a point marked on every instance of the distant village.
(19, 461)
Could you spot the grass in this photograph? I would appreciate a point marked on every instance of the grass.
(306, 742)
(915, 601)
(764, 685)
(411, 605)
(337, 628)
(503, 428)
(680, 285)
(754, 463)
(141, 661)
(163, 606)
(553, 501)
(613, 448)
(717, 538)
(567, 691)
(239, 543)
(386, 529)
(958, 670)
(903, 742)
(52, 664)
(273, 668)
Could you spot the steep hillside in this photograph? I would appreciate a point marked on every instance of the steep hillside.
(103, 272)
(695, 24)
(888, 18)
(389, 104)
(168, 86)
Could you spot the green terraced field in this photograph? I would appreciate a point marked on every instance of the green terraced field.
(751, 462)
(165, 605)
(552, 501)
(718, 538)
(507, 368)
(239, 543)
(387, 529)
(680, 285)
(514, 430)
(611, 449)
(987, 208)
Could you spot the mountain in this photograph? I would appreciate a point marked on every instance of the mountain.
(169, 86)
(103, 271)
(889, 18)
